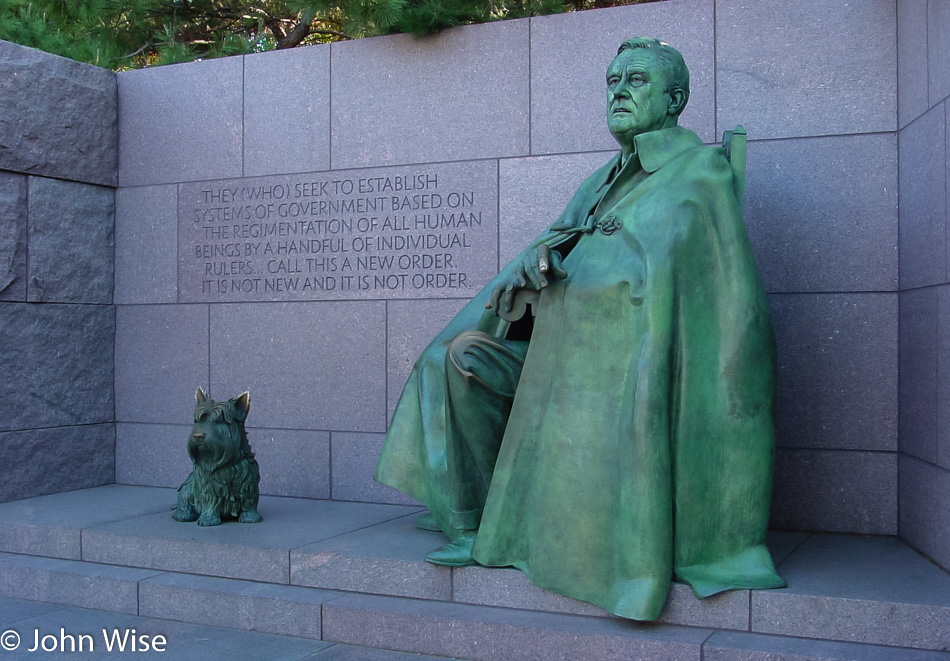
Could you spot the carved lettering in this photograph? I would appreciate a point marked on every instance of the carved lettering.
(400, 232)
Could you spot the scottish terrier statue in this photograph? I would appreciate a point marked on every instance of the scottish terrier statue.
(224, 482)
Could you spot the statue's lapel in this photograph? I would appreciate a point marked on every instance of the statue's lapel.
(630, 175)
(654, 150)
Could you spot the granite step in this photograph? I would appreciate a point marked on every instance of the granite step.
(187, 640)
(52, 525)
(183, 641)
(855, 588)
(311, 562)
(483, 633)
(71, 582)
(388, 559)
(735, 646)
(265, 607)
(259, 551)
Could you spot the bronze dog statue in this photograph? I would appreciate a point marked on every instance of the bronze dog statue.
(225, 479)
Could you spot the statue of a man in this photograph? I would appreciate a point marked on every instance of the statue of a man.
(623, 436)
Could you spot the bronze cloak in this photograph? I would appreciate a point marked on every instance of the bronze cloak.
(640, 442)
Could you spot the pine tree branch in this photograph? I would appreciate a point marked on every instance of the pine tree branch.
(276, 28)
(331, 33)
(300, 31)
(141, 50)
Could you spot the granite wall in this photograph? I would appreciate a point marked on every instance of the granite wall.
(519, 103)
(514, 106)
(924, 150)
(57, 321)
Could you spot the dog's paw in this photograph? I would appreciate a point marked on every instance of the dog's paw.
(250, 516)
(184, 515)
(209, 519)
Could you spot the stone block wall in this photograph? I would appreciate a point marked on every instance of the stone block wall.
(57, 322)
(525, 100)
(924, 150)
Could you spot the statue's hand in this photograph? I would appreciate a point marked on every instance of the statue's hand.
(533, 273)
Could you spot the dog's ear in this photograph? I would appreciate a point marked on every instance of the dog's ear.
(200, 396)
(242, 405)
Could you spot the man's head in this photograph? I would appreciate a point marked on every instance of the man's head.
(647, 89)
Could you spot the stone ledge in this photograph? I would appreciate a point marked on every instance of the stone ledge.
(509, 588)
(388, 559)
(483, 633)
(463, 631)
(222, 602)
(52, 525)
(853, 589)
(183, 641)
(71, 583)
(858, 589)
(732, 646)
(258, 551)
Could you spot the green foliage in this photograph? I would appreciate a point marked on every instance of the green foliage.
(422, 17)
(125, 34)
(60, 27)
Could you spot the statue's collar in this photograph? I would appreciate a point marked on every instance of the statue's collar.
(656, 148)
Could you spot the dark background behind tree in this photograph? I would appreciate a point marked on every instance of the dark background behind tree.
(128, 34)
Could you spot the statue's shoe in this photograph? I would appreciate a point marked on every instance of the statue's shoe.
(427, 522)
(455, 554)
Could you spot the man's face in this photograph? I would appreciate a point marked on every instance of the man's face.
(636, 100)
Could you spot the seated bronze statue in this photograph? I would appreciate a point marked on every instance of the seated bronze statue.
(621, 436)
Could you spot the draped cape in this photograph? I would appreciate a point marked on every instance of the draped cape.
(640, 443)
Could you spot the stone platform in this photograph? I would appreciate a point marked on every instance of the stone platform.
(353, 574)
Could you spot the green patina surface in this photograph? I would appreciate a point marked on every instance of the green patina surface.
(623, 437)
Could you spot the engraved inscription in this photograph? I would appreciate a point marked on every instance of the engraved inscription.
(397, 232)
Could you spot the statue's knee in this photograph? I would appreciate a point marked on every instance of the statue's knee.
(465, 353)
